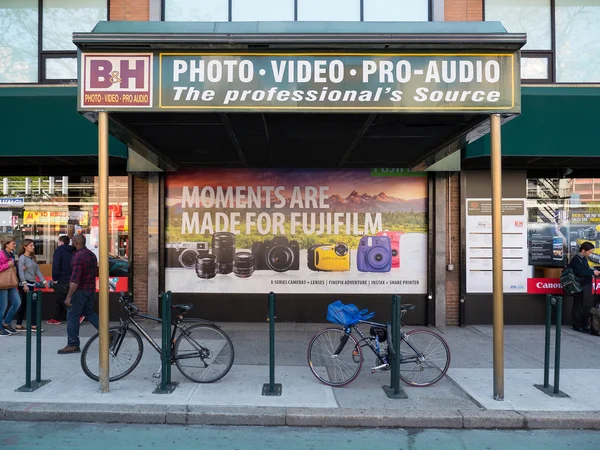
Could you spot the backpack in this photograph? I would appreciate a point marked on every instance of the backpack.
(595, 320)
(570, 282)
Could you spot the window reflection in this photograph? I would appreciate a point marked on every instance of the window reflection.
(400, 10)
(578, 40)
(523, 16)
(62, 17)
(61, 69)
(197, 11)
(329, 10)
(534, 68)
(18, 41)
(262, 10)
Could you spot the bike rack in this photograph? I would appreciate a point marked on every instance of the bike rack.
(394, 390)
(29, 385)
(166, 386)
(271, 388)
(556, 301)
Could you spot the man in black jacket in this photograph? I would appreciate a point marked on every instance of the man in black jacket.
(61, 274)
(583, 302)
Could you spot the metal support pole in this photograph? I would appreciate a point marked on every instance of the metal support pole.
(547, 341)
(166, 387)
(30, 386)
(103, 249)
(556, 301)
(498, 298)
(271, 388)
(557, 345)
(394, 390)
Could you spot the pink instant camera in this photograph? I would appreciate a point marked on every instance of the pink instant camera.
(395, 240)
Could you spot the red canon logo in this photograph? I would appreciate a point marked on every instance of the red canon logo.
(540, 285)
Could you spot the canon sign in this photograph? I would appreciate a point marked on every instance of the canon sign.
(542, 285)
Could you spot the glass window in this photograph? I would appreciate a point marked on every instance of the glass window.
(534, 68)
(43, 212)
(262, 10)
(524, 16)
(62, 17)
(329, 10)
(196, 11)
(18, 41)
(578, 40)
(61, 69)
(401, 10)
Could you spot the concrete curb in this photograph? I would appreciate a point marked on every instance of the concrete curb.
(299, 417)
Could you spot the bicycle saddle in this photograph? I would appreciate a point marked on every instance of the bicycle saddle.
(407, 307)
(183, 308)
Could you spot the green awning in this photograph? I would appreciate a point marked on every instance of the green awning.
(41, 121)
(554, 122)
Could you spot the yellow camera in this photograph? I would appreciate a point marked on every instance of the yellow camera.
(329, 258)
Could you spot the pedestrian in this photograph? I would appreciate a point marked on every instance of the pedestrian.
(28, 269)
(583, 301)
(81, 294)
(61, 274)
(7, 262)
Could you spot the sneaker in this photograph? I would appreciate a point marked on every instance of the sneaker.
(81, 319)
(3, 332)
(36, 329)
(69, 349)
(10, 329)
(53, 322)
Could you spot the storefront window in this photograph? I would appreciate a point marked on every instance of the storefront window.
(45, 208)
(265, 10)
(400, 10)
(563, 214)
(194, 11)
(19, 41)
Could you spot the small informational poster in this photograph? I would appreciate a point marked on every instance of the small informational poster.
(479, 245)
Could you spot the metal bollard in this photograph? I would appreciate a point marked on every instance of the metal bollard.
(556, 301)
(394, 390)
(30, 386)
(271, 388)
(165, 386)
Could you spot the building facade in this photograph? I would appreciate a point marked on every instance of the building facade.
(549, 156)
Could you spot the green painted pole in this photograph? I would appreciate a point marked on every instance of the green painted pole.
(166, 337)
(271, 342)
(395, 370)
(28, 340)
(38, 338)
(547, 340)
(557, 345)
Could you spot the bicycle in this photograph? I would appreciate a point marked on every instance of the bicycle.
(424, 355)
(202, 352)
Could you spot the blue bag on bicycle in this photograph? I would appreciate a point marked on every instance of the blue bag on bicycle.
(347, 315)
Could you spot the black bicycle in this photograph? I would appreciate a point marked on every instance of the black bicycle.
(335, 357)
(202, 352)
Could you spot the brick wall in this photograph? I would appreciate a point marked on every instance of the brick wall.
(129, 9)
(139, 259)
(463, 10)
(453, 237)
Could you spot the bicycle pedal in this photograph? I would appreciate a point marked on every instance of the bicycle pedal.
(381, 367)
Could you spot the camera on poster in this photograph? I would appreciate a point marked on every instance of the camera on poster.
(277, 254)
(185, 254)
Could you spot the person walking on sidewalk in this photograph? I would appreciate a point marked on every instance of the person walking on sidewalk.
(61, 274)
(583, 301)
(81, 294)
(28, 269)
(7, 262)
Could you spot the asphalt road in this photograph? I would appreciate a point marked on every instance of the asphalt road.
(66, 436)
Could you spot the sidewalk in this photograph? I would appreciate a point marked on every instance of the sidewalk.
(463, 399)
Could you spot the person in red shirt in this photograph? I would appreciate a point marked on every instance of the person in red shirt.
(82, 293)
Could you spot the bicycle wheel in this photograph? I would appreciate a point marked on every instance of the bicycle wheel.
(203, 353)
(334, 370)
(125, 353)
(429, 363)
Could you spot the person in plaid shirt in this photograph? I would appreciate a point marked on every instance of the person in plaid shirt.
(82, 293)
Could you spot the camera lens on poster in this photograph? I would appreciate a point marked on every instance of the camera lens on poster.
(206, 266)
(243, 264)
(223, 247)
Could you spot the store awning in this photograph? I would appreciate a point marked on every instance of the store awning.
(44, 134)
(299, 139)
(557, 129)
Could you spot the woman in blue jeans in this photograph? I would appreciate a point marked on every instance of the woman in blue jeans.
(7, 262)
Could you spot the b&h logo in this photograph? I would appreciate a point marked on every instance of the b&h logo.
(116, 80)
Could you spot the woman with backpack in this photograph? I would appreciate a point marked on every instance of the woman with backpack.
(28, 269)
(7, 262)
(583, 301)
